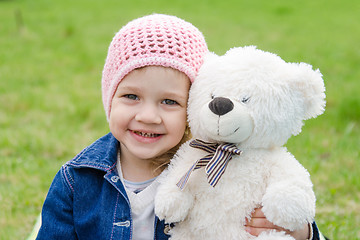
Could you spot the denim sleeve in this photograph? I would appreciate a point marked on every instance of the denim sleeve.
(57, 212)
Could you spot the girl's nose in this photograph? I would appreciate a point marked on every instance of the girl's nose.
(148, 114)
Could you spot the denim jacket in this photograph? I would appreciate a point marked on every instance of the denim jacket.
(87, 200)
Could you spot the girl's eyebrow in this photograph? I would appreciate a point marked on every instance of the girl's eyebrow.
(172, 94)
(176, 95)
(128, 88)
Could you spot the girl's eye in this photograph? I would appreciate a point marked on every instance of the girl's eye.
(131, 96)
(169, 102)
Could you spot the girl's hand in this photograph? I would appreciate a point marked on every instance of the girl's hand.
(258, 223)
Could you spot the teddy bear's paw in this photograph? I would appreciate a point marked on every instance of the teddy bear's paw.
(274, 235)
(289, 207)
(172, 205)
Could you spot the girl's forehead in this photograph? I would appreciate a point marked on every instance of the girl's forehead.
(160, 70)
(156, 73)
(156, 77)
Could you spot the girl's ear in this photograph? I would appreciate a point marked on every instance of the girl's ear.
(311, 85)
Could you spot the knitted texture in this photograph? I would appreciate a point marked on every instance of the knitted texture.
(153, 40)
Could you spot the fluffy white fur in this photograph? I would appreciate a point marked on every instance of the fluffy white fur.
(271, 99)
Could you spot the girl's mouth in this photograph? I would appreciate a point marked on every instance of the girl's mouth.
(146, 134)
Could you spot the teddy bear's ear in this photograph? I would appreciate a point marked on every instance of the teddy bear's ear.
(311, 85)
(209, 60)
(210, 56)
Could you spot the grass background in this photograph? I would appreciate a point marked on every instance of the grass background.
(51, 58)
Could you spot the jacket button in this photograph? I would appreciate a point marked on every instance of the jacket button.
(115, 179)
(122, 224)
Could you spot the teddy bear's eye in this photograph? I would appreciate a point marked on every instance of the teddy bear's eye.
(212, 96)
(245, 99)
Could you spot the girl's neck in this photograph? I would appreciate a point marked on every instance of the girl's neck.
(137, 170)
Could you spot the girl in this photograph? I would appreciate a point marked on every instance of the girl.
(107, 191)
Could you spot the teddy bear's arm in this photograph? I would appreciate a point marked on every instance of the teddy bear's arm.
(172, 203)
(289, 200)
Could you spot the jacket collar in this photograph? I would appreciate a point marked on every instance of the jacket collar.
(99, 155)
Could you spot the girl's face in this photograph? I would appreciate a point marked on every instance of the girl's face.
(148, 112)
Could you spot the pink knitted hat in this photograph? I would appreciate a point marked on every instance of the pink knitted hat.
(157, 39)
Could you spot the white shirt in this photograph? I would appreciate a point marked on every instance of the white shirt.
(141, 196)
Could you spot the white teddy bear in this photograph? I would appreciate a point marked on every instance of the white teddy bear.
(242, 109)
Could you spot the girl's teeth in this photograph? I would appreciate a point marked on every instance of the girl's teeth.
(149, 135)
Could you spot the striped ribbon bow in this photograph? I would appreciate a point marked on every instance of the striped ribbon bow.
(215, 162)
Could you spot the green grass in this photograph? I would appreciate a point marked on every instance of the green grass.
(51, 58)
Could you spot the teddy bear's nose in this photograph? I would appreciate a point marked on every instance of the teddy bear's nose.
(221, 106)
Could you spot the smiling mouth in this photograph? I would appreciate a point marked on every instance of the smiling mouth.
(146, 135)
